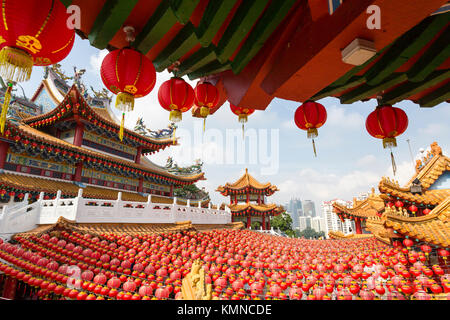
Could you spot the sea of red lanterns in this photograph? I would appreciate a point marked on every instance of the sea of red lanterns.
(240, 264)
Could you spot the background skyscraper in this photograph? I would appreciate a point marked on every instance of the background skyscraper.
(309, 209)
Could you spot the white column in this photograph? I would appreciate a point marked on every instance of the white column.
(188, 203)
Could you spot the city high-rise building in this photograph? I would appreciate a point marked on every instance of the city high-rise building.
(294, 208)
(318, 224)
(332, 221)
(309, 209)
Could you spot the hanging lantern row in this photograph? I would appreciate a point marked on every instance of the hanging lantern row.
(33, 33)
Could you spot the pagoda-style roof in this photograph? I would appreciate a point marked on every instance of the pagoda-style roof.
(255, 51)
(247, 184)
(250, 208)
(24, 137)
(75, 108)
(428, 171)
(376, 225)
(370, 207)
(433, 228)
(338, 235)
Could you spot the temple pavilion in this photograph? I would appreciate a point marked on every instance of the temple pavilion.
(70, 141)
(248, 201)
(419, 210)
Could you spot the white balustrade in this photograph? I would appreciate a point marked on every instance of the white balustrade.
(22, 217)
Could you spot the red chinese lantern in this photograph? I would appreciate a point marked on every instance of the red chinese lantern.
(129, 74)
(426, 211)
(31, 33)
(413, 209)
(387, 122)
(206, 97)
(408, 243)
(443, 253)
(242, 113)
(177, 96)
(310, 116)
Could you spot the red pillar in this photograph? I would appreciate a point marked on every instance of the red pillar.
(249, 221)
(264, 222)
(358, 226)
(141, 186)
(9, 290)
(78, 171)
(78, 138)
(138, 155)
(171, 190)
(4, 146)
(268, 223)
(248, 198)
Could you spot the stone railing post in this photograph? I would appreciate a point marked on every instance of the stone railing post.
(188, 203)
(27, 195)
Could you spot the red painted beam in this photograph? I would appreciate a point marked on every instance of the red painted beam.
(244, 89)
(313, 59)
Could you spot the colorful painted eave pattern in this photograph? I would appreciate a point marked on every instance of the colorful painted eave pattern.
(75, 105)
(416, 67)
(250, 208)
(206, 37)
(433, 228)
(27, 136)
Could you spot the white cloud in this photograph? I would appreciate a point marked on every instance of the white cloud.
(366, 161)
(435, 129)
(96, 61)
(344, 118)
(319, 186)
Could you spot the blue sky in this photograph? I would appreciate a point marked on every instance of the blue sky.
(349, 160)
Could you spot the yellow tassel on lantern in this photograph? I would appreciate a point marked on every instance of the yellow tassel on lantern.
(5, 107)
(15, 64)
(175, 116)
(125, 102)
(204, 112)
(122, 124)
(243, 118)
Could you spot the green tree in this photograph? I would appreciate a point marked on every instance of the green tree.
(256, 225)
(310, 233)
(283, 222)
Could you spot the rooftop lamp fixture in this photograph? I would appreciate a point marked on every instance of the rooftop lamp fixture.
(358, 52)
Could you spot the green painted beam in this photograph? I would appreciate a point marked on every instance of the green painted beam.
(109, 21)
(411, 88)
(265, 26)
(184, 41)
(66, 3)
(365, 91)
(331, 91)
(243, 20)
(183, 9)
(210, 68)
(156, 27)
(346, 77)
(436, 54)
(437, 96)
(405, 47)
(197, 60)
(213, 17)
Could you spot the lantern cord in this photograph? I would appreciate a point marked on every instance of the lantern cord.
(314, 147)
(242, 131)
(122, 124)
(204, 124)
(174, 138)
(5, 107)
(394, 166)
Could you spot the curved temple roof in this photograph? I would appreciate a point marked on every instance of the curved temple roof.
(247, 181)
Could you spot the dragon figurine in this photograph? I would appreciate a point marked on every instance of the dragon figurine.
(172, 167)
